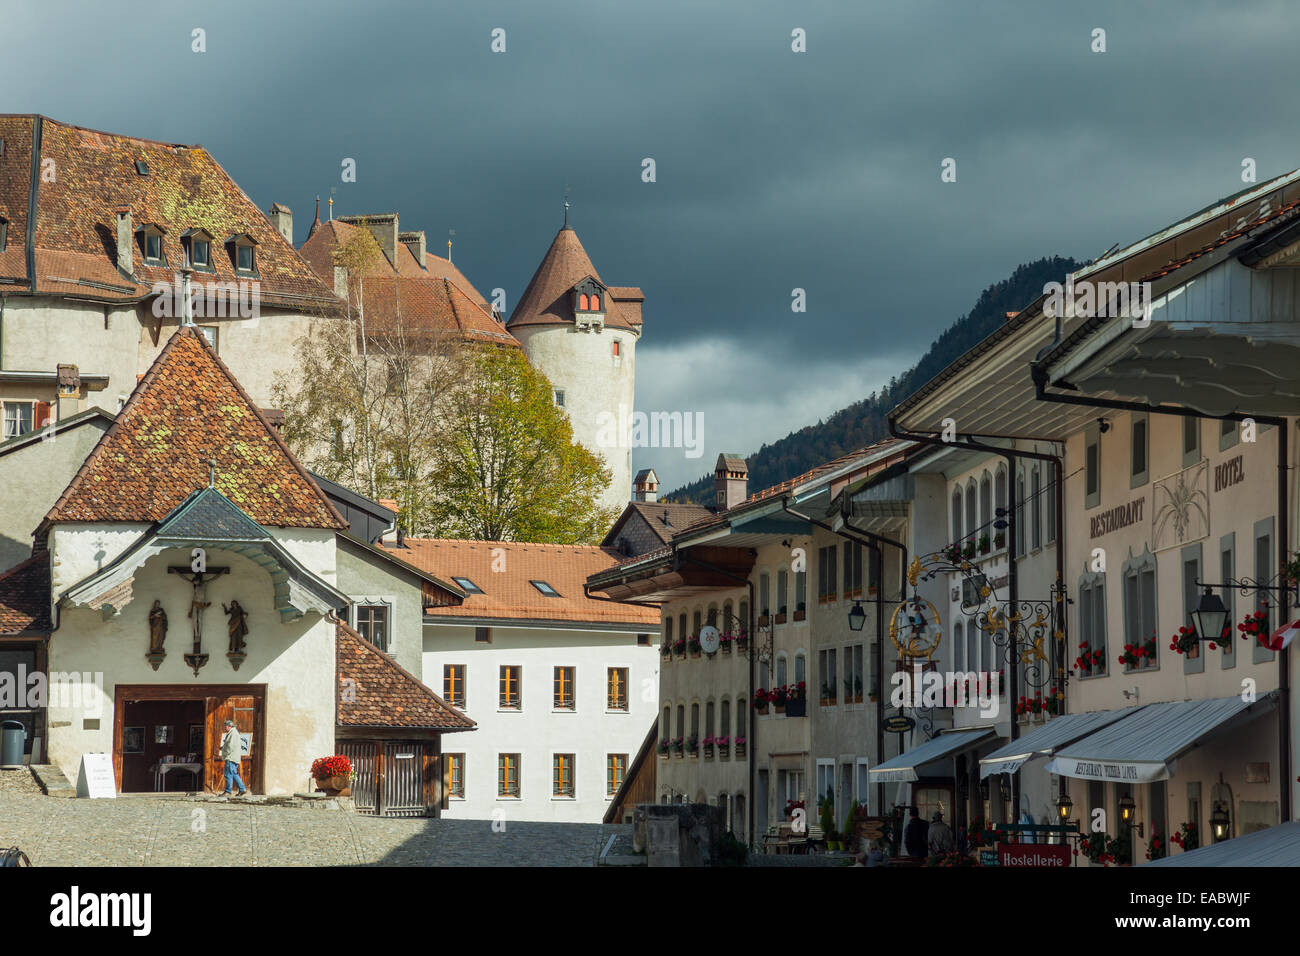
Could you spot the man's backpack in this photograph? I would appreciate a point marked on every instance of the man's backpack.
(14, 857)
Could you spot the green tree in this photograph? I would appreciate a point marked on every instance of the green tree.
(509, 469)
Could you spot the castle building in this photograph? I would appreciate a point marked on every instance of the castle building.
(582, 334)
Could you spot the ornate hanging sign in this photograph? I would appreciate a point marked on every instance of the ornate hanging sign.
(918, 633)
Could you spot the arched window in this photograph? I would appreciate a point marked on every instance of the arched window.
(740, 716)
(728, 617)
(595, 302)
(726, 810)
(681, 720)
(1020, 513)
(724, 718)
(695, 720)
(1035, 508)
(972, 510)
(764, 593)
(782, 590)
(695, 619)
(708, 719)
(764, 676)
(738, 814)
(744, 616)
(667, 730)
(781, 671)
(668, 630)
(712, 618)
(986, 504)
(681, 625)
(958, 647)
(956, 516)
(582, 303)
(800, 668)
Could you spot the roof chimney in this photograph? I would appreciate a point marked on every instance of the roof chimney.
(383, 227)
(125, 237)
(415, 242)
(730, 481)
(282, 219)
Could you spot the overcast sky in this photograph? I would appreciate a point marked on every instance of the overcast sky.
(775, 170)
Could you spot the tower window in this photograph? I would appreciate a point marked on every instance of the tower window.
(595, 303)
(559, 398)
(582, 303)
(618, 346)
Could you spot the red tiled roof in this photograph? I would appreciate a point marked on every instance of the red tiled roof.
(76, 229)
(375, 691)
(187, 409)
(508, 593)
(546, 301)
(428, 306)
(25, 597)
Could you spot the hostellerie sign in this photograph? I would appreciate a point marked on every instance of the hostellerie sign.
(1031, 854)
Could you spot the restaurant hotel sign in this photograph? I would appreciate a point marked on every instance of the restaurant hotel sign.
(1034, 854)
(1125, 771)
(1121, 516)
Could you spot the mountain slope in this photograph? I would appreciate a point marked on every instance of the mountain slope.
(867, 421)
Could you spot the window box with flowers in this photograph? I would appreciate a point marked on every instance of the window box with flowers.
(796, 700)
(708, 747)
(725, 640)
(693, 746)
(724, 745)
(764, 619)
(968, 550)
(952, 554)
(801, 612)
(741, 743)
(679, 647)
(679, 748)
(780, 616)
(1186, 642)
(693, 645)
(1140, 656)
(1185, 838)
(742, 640)
(984, 544)
(1255, 625)
(1156, 846)
(1090, 662)
(1000, 540)
(778, 697)
(665, 748)
(761, 699)
(667, 650)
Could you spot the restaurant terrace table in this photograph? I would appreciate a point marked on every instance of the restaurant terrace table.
(160, 771)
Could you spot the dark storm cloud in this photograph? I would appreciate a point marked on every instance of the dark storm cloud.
(775, 170)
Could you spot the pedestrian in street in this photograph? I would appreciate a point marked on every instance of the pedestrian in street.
(232, 751)
(914, 834)
(939, 836)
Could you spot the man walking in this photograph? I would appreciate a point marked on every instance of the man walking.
(940, 836)
(232, 751)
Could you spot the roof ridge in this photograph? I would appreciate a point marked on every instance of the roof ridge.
(101, 132)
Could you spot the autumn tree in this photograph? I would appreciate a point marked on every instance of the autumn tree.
(509, 468)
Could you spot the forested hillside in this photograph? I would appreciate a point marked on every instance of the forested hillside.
(866, 421)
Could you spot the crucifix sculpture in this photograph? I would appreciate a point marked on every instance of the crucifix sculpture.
(199, 579)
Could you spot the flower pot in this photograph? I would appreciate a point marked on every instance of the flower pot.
(796, 708)
(760, 708)
(722, 752)
(740, 749)
(695, 755)
(763, 620)
(780, 618)
(779, 708)
(336, 786)
(726, 648)
(708, 752)
(800, 615)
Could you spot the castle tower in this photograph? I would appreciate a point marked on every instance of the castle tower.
(582, 334)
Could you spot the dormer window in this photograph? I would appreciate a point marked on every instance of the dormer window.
(151, 243)
(588, 296)
(198, 248)
(243, 252)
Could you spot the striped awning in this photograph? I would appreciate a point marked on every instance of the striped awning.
(1046, 740)
(904, 767)
(1144, 746)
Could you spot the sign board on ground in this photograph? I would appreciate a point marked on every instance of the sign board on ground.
(95, 777)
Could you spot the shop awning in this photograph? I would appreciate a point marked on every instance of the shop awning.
(1276, 846)
(1144, 746)
(1046, 740)
(904, 767)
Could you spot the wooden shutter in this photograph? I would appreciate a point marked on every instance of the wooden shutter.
(41, 414)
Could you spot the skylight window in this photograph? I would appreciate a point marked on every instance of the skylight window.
(142, 167)
(465, 584)
(545, 588)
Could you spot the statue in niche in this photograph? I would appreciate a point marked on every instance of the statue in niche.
(157, 628)
(237, 626)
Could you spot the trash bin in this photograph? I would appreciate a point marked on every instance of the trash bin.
(13, 735)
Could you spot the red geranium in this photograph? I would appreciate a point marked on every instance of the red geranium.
(323, 768)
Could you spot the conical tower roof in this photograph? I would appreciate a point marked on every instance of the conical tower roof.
(547, 301)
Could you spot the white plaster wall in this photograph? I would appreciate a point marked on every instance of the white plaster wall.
(296, 662)
(581, 364)
(537, 731)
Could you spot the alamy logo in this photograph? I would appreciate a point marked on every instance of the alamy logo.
(74, 909)
(1100, 299)
(83, 692)
(652, 430)
(950, 689)
(208, 300)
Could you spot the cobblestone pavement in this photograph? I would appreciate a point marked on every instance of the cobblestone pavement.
(148, 831)
(18, 781)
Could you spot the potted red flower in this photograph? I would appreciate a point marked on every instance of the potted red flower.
(693, 645)
(1255, 625)
(761, 699)
(333, 775)
(740, 746)
(796, 702)
(778, 698)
